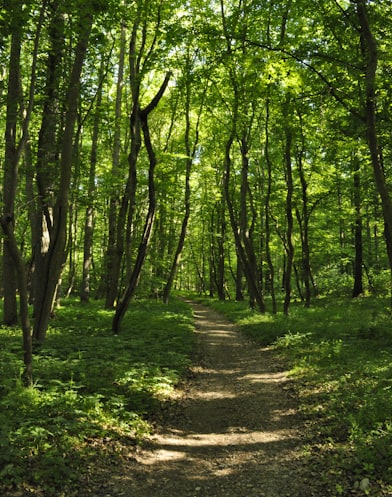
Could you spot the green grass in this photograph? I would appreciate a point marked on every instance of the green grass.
(339, 352)
(89, 386)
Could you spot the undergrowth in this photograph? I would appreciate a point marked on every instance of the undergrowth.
(339, 352)
(89, 386)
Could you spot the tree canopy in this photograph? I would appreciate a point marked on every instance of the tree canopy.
(236, 148)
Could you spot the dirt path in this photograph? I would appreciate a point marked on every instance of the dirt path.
(235, 433)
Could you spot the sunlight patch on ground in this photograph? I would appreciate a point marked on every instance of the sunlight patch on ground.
(215, 395)
(265, 378)
(178, 446)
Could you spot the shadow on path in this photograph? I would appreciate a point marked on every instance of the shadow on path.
(235, 434)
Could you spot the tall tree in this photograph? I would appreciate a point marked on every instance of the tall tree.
(89, 215)
(289, 217)
(12, 258)
(113, 252)
(58, 234)
(370, 56)
(190, 151)
(150, 216)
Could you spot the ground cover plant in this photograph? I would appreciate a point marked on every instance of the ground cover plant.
(91, 389)
(340, 355)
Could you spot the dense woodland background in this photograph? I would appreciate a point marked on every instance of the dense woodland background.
(237, 149)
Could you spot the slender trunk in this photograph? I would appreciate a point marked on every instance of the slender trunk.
(16, 277)
(358, 242)
(10, 316)
(246, 230)
(239, 294)
(271, 269)
(113, 255)
(303, 222)
(289, 216)
(89, 216)
(220, 269)
(190, 153)
(10, 243)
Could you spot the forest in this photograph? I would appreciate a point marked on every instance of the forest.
(238, 151)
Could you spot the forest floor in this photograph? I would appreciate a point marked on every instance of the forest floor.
(233, 430)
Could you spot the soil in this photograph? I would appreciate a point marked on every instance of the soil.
(233, 431)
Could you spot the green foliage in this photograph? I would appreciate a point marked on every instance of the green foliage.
(340, 356)
(89, 386)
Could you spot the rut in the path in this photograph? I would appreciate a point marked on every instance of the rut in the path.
(236, 434)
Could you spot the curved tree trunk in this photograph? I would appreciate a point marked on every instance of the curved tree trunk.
(125, 216)
(150, 217)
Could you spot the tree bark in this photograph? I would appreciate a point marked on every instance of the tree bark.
(56, 251)
(289, 217)
(371, 58)
(10, 316)
(303, 221)
(13, 250)
(13, 151)
(150, 217)
(358, 242)
(267, 224)
(190, 153)
(89, 215)
(47, 161)
(114, 253)
(251, 278)
(246, 230)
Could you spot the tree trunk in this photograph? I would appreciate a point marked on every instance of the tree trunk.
(271, 269)
(239, 294)
(303, 222)
(247, 228)
(247, 265)
(10, 313)
(113, 256)
(220, 268)
(13, 152)
(10, 243)
(190, 153)
(150, 217)
(142, 251)
(358, 261)
(371, 58)
(289, 217)
(89, 216)
(47, 162)
(56, 251)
